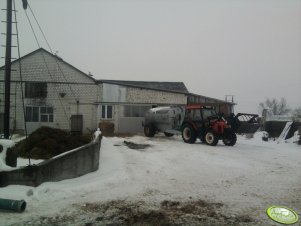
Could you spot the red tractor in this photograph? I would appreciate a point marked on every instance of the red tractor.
(204, 123)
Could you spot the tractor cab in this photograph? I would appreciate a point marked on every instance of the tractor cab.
(199, 113)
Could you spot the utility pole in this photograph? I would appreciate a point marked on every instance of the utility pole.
(7, 68)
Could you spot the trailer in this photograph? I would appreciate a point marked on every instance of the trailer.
(167, 120)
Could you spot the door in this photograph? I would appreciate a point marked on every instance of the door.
(77, 124)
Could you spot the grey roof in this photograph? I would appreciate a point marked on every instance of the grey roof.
(211, 98)
(53, 55)
(178, 87)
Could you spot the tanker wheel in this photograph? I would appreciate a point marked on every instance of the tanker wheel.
(149, 131)
(211, 138)
(188, 134)
(230, 139)
(168, 134)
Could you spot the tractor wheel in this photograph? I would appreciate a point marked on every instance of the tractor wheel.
(149, 131)
(230, 139)
(188, 134)
(211, 138)
(168, 134)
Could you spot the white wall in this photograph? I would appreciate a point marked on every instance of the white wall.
(61, 78)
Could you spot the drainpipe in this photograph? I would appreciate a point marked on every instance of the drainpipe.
(14, 205)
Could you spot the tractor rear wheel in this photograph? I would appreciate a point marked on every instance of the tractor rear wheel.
(149, 131)
(168, 134)
(188, 134)
(211, 138)
(230, 139)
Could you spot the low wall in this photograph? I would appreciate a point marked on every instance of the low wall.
(71, 164)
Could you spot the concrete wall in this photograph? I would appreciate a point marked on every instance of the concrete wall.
(80, 91)
(68, 165)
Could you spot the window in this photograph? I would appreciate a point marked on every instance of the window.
(35, 90)
(208, 112)
(107, 111)
(135, 110)
(196, 114)
(32, 114)
(39, 114)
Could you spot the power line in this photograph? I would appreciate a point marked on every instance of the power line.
(45, 62)
(61, 71)
(40, 28)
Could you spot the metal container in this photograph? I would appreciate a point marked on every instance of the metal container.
(165, 119)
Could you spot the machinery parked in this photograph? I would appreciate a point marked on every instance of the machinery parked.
(197, 121)
(164, 119)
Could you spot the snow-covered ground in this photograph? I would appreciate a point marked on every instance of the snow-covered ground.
(246, 178)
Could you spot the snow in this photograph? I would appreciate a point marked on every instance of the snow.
(5, 143)
(250, 176)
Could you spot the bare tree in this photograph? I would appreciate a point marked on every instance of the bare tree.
(276, 107)
(297, 112)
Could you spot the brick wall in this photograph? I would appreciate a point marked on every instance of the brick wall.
(137, 95)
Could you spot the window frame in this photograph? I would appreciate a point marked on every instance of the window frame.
(106, 111)
(40, 114)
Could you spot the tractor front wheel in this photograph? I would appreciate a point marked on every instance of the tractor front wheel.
(149, 131)
(188, 134)
(211, 138)
(230, 139)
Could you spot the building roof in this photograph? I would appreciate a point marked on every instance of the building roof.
(53, 55)
(177, 87)
(211, 99)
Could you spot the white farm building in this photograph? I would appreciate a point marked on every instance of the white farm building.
(57, 94)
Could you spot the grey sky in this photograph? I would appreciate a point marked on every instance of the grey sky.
(251, 49)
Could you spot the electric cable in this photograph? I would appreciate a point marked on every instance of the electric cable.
(41, 30)
(45, 62)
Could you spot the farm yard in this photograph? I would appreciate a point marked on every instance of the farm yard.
(168, 182)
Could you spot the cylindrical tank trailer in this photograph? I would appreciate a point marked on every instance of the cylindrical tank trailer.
(164, 119)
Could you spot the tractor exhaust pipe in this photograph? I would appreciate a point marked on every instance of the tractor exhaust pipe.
(13, 205)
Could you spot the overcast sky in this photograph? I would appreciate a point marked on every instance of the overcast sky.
(251, 49)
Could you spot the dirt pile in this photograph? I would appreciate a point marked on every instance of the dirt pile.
(47, 142)
(167, 213)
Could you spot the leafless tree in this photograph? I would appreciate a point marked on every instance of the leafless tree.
(276, 107)
(297, 112)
